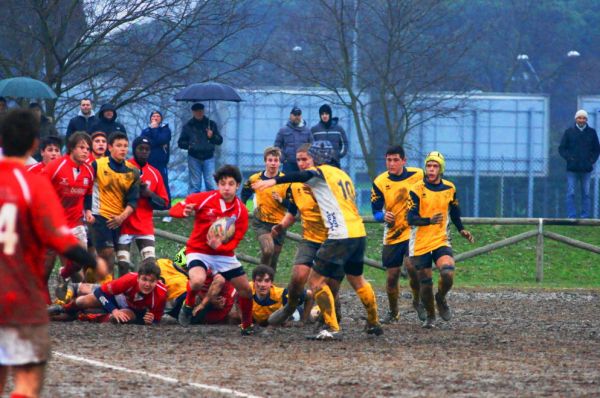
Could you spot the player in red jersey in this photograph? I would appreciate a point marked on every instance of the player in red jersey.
(139, 226)
(137, 297)
(50, 150)
(31, 220)
(206, 251)
(72, 179)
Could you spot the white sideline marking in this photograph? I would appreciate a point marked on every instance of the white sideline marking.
(154, 375)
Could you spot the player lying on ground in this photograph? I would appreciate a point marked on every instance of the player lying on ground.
(138, 298)
(346, 242)
(389, 198)
(432, 205)
(221, 221)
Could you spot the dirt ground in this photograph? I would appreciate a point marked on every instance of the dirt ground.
(505, 343)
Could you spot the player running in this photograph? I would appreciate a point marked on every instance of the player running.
(31, 220)
(50, 150)
(389, 197)
(139, 226)
(268, 209)
(346, 241)
(206, 250)
(432, 205)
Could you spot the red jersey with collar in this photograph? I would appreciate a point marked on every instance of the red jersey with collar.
(140, 221)
(209, 207)
(31, 220)
(136, 300)
(36, 168)
(72, 182)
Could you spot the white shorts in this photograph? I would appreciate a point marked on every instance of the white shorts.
(23, 345)
(127, 239)
(81, 234)
(215, 263)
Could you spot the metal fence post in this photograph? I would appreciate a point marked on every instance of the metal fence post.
(475, 167)
(530, 173)
(539, 251)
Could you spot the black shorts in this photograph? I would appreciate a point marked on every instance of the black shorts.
(392, 256)
(306, 252)
(262, 227)
(426, 260)
(348, 254)
(103, 236)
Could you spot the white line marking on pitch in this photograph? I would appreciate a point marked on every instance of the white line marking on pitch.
(154, 375)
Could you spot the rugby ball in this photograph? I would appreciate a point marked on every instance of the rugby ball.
(223, 228)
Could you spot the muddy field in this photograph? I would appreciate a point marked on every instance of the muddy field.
(498, 344)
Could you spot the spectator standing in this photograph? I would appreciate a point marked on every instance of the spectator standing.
(46, 126)
(159, 135)
(107, 121)
(290, 137)
(580, 148)
(199, 137)
(3, 106)
(328, 129)
(84, 120)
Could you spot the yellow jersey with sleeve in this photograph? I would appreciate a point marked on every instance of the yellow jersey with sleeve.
(300, 200)
(266, 208)
(175, 279)
(116, 186)
(427, 199)
(390, 193)
(334, 191)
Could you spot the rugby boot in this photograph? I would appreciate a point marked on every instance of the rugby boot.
(62, 286)
(247, 331)
(326, 334)
(185, 315)
(421, 311)
(391, 318)
(376, 329)
(55, 309)
(428, 323)
(442, 307)
(281, 315)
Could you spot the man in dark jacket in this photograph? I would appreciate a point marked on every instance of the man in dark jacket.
(580, 148)
(159, 135)
(328, 129)
(107, 121)
(84, 120)
(291, 137)
(199, 137)
(47, 128)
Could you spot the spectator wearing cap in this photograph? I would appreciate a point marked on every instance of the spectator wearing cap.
(580, 148)
(290, 137)
(159, 135)
(328, 129)
(107, 121)
(84, 120)
(200, 136)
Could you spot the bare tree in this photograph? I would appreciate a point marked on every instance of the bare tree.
(383, 60)
(122, 51)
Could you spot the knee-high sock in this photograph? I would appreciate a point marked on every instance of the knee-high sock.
(414, 286)
(190, 298)
(367, 296)
(324, 300)
(393, 294)
(246, 310)
(426, 292)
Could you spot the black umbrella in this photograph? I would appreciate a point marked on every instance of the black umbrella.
(208, 92)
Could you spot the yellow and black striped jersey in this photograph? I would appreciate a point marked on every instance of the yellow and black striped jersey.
(175, 279)
(334, 191)
(390, 193)
(116, 185)
(301, 200)
(266, 208)
(427, 199)
(263, 308)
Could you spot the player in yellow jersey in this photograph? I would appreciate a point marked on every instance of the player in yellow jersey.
(301, 202)
(389, 197)
(346, 237)
(115, 195)
(268, 208)
(433, 204)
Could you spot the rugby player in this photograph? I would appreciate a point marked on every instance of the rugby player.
(50, 150)
(268, 208)
(389, 197)
(115, 196)
(346, 240)
(206, 251)
(432, 205)
(139, 226)
(31, 220)
(301, 202)
(99, 146)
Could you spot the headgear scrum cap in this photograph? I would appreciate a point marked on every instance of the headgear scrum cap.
(437, 157)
